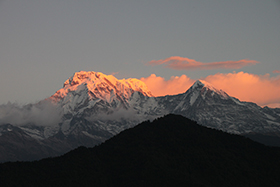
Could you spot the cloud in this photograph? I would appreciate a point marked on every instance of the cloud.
(182, 63)
(175, 85)
(118, 116)
(276, 71)
(261, 89)
(41, 114)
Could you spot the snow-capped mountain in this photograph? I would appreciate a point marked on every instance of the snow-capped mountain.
(101, 99)
(91, 89)
(215, 108)
(92, 107)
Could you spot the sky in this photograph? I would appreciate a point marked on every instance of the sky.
(234, 45)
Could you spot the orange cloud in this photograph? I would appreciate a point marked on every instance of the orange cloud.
(175, 85)
(276, 71)
(182, 63)
(261, 89)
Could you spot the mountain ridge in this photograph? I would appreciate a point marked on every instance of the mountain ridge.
(79, 119)
(171, 150)
(96, 82)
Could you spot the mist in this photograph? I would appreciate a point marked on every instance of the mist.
(122, 114)
(41, 114)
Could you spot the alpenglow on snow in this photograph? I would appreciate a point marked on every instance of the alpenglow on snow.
(92, 107)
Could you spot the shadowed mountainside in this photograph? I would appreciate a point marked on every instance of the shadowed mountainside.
(170, 151)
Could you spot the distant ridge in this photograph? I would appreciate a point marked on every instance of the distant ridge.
(170, 151)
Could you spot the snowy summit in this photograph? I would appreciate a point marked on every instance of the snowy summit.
(99, 85)
(203, 84)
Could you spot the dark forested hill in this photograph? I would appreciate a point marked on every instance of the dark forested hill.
(170, 151)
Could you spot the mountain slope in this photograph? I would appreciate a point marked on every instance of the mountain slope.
(92, 107)
(215, 108)
(169, 151)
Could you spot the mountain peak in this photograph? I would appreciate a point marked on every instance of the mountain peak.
(203, 85)
(85, 86)
(86, 76)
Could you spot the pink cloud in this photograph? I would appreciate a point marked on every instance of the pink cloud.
(182, 63)
(175, 85)
(276, 71)
(261, 89)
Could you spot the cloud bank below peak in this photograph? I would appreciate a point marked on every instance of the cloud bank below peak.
(41, 114)
(183, 63)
